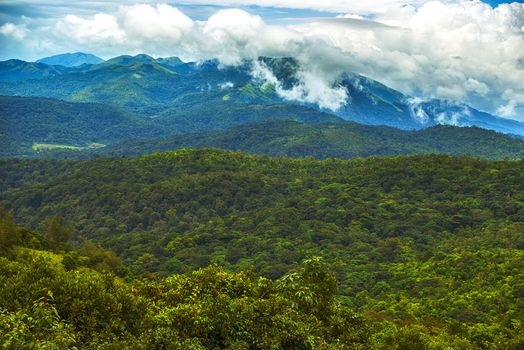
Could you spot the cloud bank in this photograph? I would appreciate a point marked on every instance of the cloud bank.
(465, 51)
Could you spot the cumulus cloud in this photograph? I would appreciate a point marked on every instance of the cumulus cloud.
(451, 49)
(101, 29)
(18, 32)
(514, 100)
(351, 15)
(162, 23)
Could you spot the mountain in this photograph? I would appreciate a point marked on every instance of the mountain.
(373, 103)
(16, 70)
(26, 121)
(129, 60)
(453, 113)
(376, 104)
(171, 89)
(61, 128)
(341, 140)
(71, 59)
(171, 62)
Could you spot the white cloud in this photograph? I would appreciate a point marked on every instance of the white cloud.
(18, 32)
(507, 110)
(226, 85)
(313, 88)
(101, 29)
(351, 15)
(514, 100)
(465, 51)
(417, 111)
(159, 23)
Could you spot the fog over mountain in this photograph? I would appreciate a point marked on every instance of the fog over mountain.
(427, 49)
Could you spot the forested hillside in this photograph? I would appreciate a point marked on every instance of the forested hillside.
(49, 128)
(58, 294)
(344, 140)
(29, 120)
(26, 121)
(431, 241)
(250, 175)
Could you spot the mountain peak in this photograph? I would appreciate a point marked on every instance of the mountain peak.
(71, 59)
(125, 60)
(170, 61)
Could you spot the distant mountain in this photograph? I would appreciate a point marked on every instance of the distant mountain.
(71, 59)
(170, 89)
(172, 62)
(453, 113)
(129, 60)
(342, 140)
(374, 103)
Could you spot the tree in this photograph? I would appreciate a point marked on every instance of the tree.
(312, 288)
(57, 231)
(8, 229)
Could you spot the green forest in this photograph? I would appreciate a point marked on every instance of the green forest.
(345, 140)
(214, 249)
(272, 129)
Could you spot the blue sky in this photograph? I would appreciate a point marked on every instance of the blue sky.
(496, 3)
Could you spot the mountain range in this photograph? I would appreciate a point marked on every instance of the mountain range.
(151, 203)
(140, 97)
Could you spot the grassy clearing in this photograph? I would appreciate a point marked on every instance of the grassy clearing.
(50, 146)
(47, 146)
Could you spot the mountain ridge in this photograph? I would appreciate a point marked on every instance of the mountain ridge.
(170, 87)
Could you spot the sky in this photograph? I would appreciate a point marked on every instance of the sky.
(463, 50)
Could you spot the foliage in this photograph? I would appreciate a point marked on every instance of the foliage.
(432, 240)
(41, 127)
(37, 327)
(57, 231)
(45, 305)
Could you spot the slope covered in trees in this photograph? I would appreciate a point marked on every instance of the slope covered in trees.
(341, 140)
(432, 239)
(288, 130)
(58, 295)
(27, 120)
